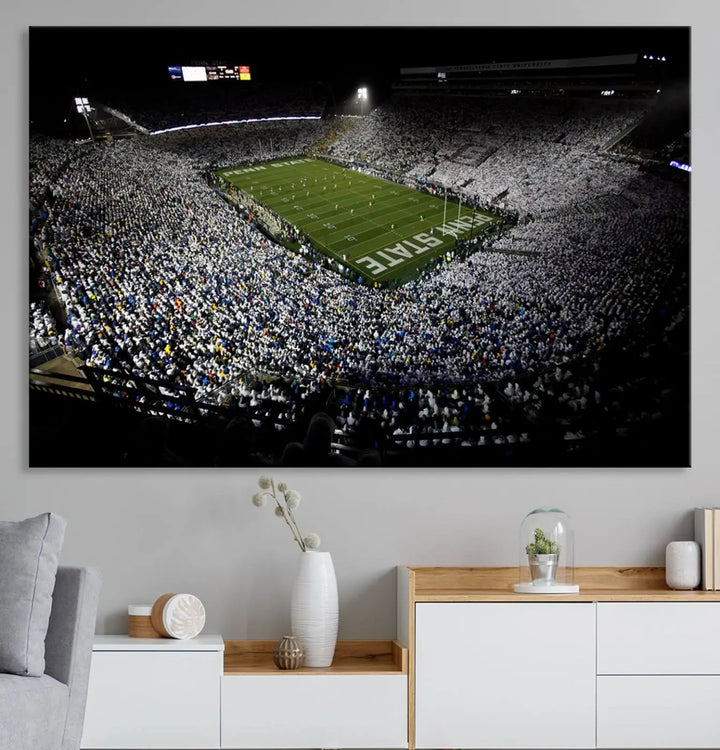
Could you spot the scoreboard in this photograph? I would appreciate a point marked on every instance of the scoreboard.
(209, 72)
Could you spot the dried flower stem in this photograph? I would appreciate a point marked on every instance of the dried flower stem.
(288, 516)
(286, 500)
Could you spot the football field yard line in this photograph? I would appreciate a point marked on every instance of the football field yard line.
(375, 240)
(335, 240)
(388, 236)
(328, 214)
(389, 207)
(329, 204)
(367, 223)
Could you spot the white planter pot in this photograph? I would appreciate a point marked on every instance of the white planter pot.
(314, 608)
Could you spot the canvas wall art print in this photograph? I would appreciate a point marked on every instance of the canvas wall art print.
(270, 247)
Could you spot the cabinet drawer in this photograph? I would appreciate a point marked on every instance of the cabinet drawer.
(315, 710)
(158, 699)
(676, 711)
(658, 638)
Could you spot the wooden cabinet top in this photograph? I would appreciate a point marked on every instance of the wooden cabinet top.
(597, 584)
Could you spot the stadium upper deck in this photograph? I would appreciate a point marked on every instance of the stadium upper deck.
(627, 75)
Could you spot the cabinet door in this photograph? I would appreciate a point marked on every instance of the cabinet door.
(505, 675)
(158, 699)
(314, 710)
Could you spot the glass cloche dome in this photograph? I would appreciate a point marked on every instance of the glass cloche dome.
(546, 553)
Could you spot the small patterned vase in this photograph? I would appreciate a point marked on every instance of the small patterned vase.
(288, 653)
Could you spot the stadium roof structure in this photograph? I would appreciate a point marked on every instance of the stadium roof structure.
(631, 74)
(582, 62)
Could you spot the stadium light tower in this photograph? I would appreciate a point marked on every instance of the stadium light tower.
(82, 105)
(362, 93)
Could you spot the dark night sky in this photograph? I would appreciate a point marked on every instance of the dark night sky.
(64, 60)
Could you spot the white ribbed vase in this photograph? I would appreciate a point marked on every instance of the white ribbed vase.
(314, 608)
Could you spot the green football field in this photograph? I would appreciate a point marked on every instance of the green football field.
(381, 230)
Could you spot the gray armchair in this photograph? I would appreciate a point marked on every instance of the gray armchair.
(47, 712)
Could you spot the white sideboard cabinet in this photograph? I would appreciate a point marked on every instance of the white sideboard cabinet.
(625, 663)
(154, 693)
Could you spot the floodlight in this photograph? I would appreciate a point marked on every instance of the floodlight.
(362, 93)
(82, 105)
(651, 57)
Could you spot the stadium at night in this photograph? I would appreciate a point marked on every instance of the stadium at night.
(456, 254)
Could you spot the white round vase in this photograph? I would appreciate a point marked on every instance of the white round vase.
(314, 608)
(682, 565)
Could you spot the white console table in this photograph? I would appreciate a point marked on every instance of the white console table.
(626, 663)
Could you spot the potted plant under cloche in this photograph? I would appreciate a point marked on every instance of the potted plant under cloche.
(546, 553)
(543, 555)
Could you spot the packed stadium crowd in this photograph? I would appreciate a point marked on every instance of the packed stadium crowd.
(523, 150)
(227, 146)
(160, 277)
(44, 331)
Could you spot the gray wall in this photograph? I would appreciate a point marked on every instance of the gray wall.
(156, 531)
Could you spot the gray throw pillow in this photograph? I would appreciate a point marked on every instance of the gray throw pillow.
(29, 553)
